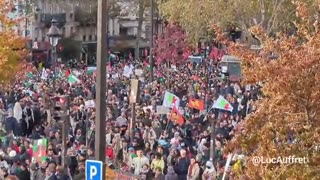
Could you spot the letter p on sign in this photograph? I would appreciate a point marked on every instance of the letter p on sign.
(93, 172)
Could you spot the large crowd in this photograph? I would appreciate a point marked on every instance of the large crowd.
(161, 148)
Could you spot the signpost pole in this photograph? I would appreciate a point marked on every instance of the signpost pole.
(102, 55)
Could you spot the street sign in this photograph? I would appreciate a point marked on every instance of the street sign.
(93, 170)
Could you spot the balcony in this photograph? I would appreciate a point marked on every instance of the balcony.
(85, 18)
(60, 18)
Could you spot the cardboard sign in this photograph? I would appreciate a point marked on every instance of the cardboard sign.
(163, 110)
(90, 104)
(138, 72)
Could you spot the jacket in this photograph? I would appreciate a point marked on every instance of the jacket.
(11, 124)
(195, 172)
(25, 175)
(182, 166)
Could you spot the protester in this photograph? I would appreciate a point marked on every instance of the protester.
(172, 143)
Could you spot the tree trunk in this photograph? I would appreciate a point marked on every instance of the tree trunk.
(140, 20)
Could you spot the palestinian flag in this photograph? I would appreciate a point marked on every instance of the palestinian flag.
(147, 65)
(170, 100)
(196, 104)
(91, 70)
(222, 103)
(39, 150)
(72, 79)
(176, 116)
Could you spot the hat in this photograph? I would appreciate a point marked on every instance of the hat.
(131, 149)
(209, 164)
(12, 153)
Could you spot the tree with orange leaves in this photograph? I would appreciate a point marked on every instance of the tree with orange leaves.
(286, 123)
(11, 45)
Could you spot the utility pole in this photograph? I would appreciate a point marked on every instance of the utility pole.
(151, 39)
(102, 55)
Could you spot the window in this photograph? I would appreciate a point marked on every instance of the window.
(84, 38)
(123, 31)
(90, 38)
(63, 30)
(71, 15)
(43, 38)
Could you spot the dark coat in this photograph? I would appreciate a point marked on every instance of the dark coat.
(80, 176)
(181, 168)
(24, 175)
(62, 177)
(11, 124)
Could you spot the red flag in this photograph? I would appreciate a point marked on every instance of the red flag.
(176, 116)
(196, 104)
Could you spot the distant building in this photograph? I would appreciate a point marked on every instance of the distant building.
(77, 21)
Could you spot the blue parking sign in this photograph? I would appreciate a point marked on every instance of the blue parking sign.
(94, 170)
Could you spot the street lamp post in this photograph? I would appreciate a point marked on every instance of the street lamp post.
(54, 37)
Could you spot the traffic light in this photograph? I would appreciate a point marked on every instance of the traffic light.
(61, 107)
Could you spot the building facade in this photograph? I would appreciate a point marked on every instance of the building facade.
(77, 21)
